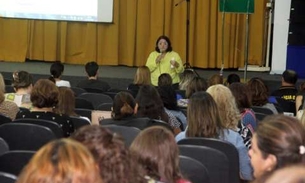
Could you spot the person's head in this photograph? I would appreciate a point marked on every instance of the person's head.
(186, 77)
(56, 69)
(232, 78)
(289, 77)
(150, 104)
(241, 94)
(2, 88)
(169, 97)
(91, 69)
(228, 111)
(142, 76)
(22, 80)
(163, 44)
(44, 94)
(124, 105)
(109, 151)
(66, 102)
(279, 141)
(197, 84)
(215, 79)
(62, 160)
(165, 80)
(259, 91)
(156, 150)
(202, 116)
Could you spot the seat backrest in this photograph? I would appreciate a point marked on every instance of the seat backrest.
(140, 123)
(4, 119)
(104, 107)
(214, 160)
(96, 98)
(24, 136)
(79, 122)
(193, 170)
(7, 177)
(83, 112)
(13, 161)
(81, 103)
(227, 148)
(56, 129)
(77, 91)
(9, 89)
(3, 147)
(155, 122)
(263, 110)
(260, 116)
(128, 133)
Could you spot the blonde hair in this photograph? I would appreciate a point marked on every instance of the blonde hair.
(142, 76)
(226, 104)
(59, 161)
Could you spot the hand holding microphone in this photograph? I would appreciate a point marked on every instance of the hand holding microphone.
(160, 57)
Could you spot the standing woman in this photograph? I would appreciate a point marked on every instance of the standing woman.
(164, 60)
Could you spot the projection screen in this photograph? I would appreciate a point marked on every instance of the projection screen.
(66, 10)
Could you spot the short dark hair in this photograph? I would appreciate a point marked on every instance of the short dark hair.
(233, 78)
(56, 69)
(169, 47)
(165, 80)
(91, 68)
(123, 105)
(290, 76)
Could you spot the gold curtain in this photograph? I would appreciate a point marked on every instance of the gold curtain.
(132, 35)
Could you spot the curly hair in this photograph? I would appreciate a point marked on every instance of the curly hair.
(109, 151)
(44, 94)
(226, 104)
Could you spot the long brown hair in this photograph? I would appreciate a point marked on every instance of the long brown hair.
(66, 102)
(157, 151)
(142, 76)
(202, 116)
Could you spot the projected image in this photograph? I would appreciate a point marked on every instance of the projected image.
(70, 10)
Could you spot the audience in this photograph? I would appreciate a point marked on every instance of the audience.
(186, 77)
(61, 161)
(44, 99)
(204, 121)
(113, 159)
(156, 150)
(66, 103)
(7, 108)
(215, 79)
(279, 141)
(92, 81)
(242, 96)
(165, 80)
(229, 113)
(197, 84)
(56, 70)
(259, 94)
(150, 105)
(23, 84)
(288, 90)
(142, 77)
(232, 78)
(169, 99)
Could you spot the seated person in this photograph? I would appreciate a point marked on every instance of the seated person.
(7, 108)
(44, 98)
(186, 77)
(92, 81)
(142, 77)
(232, 78)
(123, 112)
(288, 90)
(56, 71)
(23, 84)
